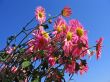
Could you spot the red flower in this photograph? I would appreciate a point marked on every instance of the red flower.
(99, 47)
(66, 12)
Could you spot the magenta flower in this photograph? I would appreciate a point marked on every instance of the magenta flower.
(69, 41)
(83, 69)
(9, 50)
(79, 30)
(40, 14)
(67, 48)
(80, 48)
(99, 47)
(14, 69)
(70, 68)
(39, 42)
(74, 23)
(81, 44)
(60, 25)
(51, 61)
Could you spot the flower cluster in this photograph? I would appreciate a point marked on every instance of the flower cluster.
(59, 49)
(67, 43)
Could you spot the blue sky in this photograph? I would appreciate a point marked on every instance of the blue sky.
(93, 14)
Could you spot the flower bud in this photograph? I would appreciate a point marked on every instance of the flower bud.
(66, 12)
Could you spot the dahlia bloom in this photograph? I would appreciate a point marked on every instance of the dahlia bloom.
(60, 25)
(83, 69)
(99, 47)
(68, 45)
(31, 46)
(79, 48)
(40, 14)
(79, 30)
(39, 42)
(74, 23)
(70, 68)
(66, 12)
(14, 69)
(69, 42)
(9, 50)
(51, 61)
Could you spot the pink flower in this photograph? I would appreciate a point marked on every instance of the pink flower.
(69, 41)
(51, 61)
(79, 30)
(14, 69)
(67, 48)
(40, 14)
(60, 28)
(81, 44)
(99, 47)
(9, 50)
(70, 68)
(26, 79)
(80, 48)
(39, 42)
(83, 69)
(60, 25)
(31, 46)
(74, 23)
(66, 12)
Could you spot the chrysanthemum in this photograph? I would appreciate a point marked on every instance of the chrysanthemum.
(40, 14)
(82, 40)
(69, 41)
(60, 25)
(83, 69)
(80, 48)
(14, 69)
(66, 12)
(68, 45)
(70, 68)
(99, 47)
(39, 42)
(51, 61)
(9, 50)
(79, 30)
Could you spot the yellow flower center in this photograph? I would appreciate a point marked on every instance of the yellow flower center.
(64, 13)
(69, 36)
(79, 31)
(64, 27)
(59, 29)
(45, 34)
(40, 15)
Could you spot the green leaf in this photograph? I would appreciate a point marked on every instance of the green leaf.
(36, 80)
(41, 52)
(26, 64)
(4, 59)
(21, 50)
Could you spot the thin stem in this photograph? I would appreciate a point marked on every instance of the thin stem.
(20, 32)
(70, 78)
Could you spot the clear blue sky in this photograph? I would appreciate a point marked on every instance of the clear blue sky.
(94, 15)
